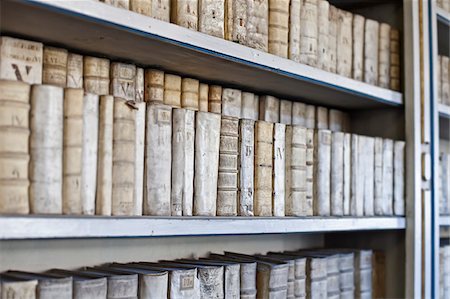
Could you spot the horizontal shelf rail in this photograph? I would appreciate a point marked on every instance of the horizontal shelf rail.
(444, 220)
(444, 111)
(443, 16)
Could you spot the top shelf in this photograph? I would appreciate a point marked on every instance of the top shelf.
(99, 29)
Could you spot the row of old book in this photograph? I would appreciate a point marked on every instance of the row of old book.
(443, 80)
(318, 273)
(444, 272)
(444, 4)
(444, 183)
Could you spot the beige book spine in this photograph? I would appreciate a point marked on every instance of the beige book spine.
(139, 85)
(335, 120)
(357, 178)
(399, 178)
(250, 106)
(394, 70)
(203, 92)
(90, 288)
(445, 80)
(184, 284)
(344, 44)
(158, 160)
(54, 66)
(185, 13)
(21, 60)
(123, 159)
(347, 173)
(212, 17)
(123, 84)
(332, 38)
(279, 169)
(122, 286)
(321, 118)
(358, 47)
(247, 170)
(269, 109)
(46, 148)
(309, 32)
(139, 162)
(236, 21)
(72, 150)
(14, 149)
(296, 171)
(310, 117)
(19, 289)
(263, 168)
(207, 141)
(227, 182)
(257, 35)
(154, 86)
(378, 177)
(211, 281)
(142, 7)
(183, 139)
(231, 102)
(232, 281)
(367, 150)
(279, 27)
(299, 114)
(105, 152)
(161, 10)
(294, 30)
(74, 71)
(172, 90)
(322, 161)
(215, 99)
(337, 174)
(309, 172)
(96, 75)
(371, 38)
(285, 112)
(323, 57)
(125, 4)
(388, 176)
(189, 93)
(154, 285)
(248, 281)
(384, 55)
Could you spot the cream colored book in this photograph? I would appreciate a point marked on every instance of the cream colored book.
(384, 55)
(158, 9)
(323, 57)
(337, 174)
(247, 169)
(46, 149)
(172, 90)
(263, 168)
(279, 27)
(295, 201)
(309, 172)
(347, 173)
(105, 150)
(139, 85)
(183, 138)
(207, 141)
(378, 177)
(184, 13)
(154, 86)
(236, 20)
(332, 38)
(227, 182)
(21, 60)
(250, 106)
(368, 161)
(310, 116)
(316, 276)
(14, 149)
(336, 120)
(299, 114)
(279, 169)
(211, 18)
(358, 47)
(142, 7)
(118, 3)
(269, 109)
(203, 92)
(257, 27)
(215, 99)
(394, 70)
(54, 67)
(363, 274)
(285, 112)
(74, 71)
(123, 159)
(321, 118)
(357, 178)
(399, 178)
(231, 102)
(18, 288)
(344, 43)
(96, 75)
(445, 80)
(371, 40)
(322, 163)
(123, 81)
(139, 161)
(294, 30)
(309, 32)
(388, 176)
(189, 93)
(158, 160)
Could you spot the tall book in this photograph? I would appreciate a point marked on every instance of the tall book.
(378, 177)
(236, 20)
(279, 169)
(189, 93)
(322, 163)
(183, 137)
(84, 285)
(384, 53)
(335, 120)
(49, 286)
(154, 86)
(290, 261)
(269, 109)
(263, 168)
(399, 178)
(74, 71)
(158, 9)
(158, 160)
(123, 81)
(294, 30)
(172, 90)
(285, 112)
(211, 18)
(344, 44)
(363, 274)
(321, 118)
(250, 106)
(139, 153)
(371, 40)
(207, 144)
(337, 174)
(279, 27)
(346, 274)
(247, 169)
(347, 183)
(96, 75)
(231, 102)
(11, 287)
(298, 114)
(124, 4)
(257, 27)
(309, 172)
(21, 60)
(203, 93)
(358, 47)
(394, 69)
(316, 277)
(215, 99)
(357, 177)
(388, 176)
(367, 150)
(184, 13)
(227, 182)
(231, 275)
(332, 38)
(445, 80)
(54, 66)
(323, 57)
(309, 32)
(46, 149)
(310, 117)
(14, 149)
(119, 284)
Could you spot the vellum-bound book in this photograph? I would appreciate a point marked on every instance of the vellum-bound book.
(358, 47)
(123, 81)
(172, 90)
(158, 9)
(250, 106)
(184, 13)
(322, 163)
(332, 38)
(296, 203)
(84, 285)
(21, 60)
(367, 149)
(291, 271)
(384, 54)
(346, 274)
(158, 160)
(445, 80)
(269, 109)
(285, 112)
(310, 117)
(74, 71)
(399, 178)
(231, 275)
(347, 183)
(321, 118)
(378, 177)
(203, 93)
(279, 169)
(54, 67)
(371, 38)
(154, 86)
(257, 28)
(344, 43)
(189, 93)
(236, 20)
(105, 162)
(227, 182)
(247, 169)
(215, 99)
(118, 3)
(394, 70)
(14, 150)
(139, 151)
(119, 284)
(231, 102)
(337, 174)
(279, 27)
(335, 120)
(323, 58)
(363, 274)
(46, 149)
(299, 114)
(139, 85)
(207, 141)
(96, 75)
(211, 19)
(357, 177)
(17, 288)
(309, 171)
(294, 30)
(263, 168)
(309, 32)
(316, 276)
(388, 176)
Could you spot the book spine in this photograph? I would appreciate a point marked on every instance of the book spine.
(161, 9)
(189, 93)
(344, 44)
(333, 288)
(378, 177)
(310, 117)
(445, 80)
(250, 106)
(299, 114)
(248, 281)
(123, 81)
(19, 289)
(124, 4)
(257, 27)
(285, 112)
(154, 285)
(347, 173)
(123, 287)
(203, 97)
(358, 47)
(321, 118)
(54, 67)
(332, 38)
(215, 99)
(294, 30)
(263, 168)
(231, 102)
(309, 172)
(142, 7)
(96, 75)
(322, 160)
(371, 37)
(21, 60)
(139, 162)
(323, 58)
(246, 173)
(384, 55)
(183, 284)
(232, 281)
(368, 164)
(154, 86)
(336, 120)
(316, 278)
(279, 27)
(279, 169)
(337, 173)
(308, 32)
(139, 85)
(211, 282)
(207, 142)
(399, 178)
(90, 288)
(158, 160)
(54, 288)
(394, 70)
(269, 109)
(278, 278)
(105, 150)
(212, 17)
(236, 21)
(46, 148)
(74, 71)
(14, 149)
(185, 13)
(357, 178)
(172, 90)
(388, 176)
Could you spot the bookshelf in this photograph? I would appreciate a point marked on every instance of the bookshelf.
(444, 220)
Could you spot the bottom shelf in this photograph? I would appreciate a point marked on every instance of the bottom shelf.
(50, 227)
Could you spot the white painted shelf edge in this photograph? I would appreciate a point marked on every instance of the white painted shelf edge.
(444, 110)
(443, 15)
(444, 220)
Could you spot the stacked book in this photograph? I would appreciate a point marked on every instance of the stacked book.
(444, 4)
(311, 32)
(109, 138)
(443, 80)
(444, 271)
(319, 273)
